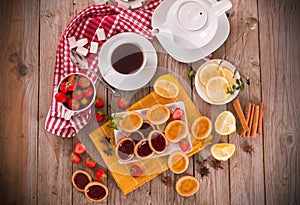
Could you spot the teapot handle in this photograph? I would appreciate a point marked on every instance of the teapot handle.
(221, 7)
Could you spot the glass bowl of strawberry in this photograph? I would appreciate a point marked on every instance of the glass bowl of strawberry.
(76, 92)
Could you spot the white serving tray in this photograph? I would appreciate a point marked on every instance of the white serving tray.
(119, 134)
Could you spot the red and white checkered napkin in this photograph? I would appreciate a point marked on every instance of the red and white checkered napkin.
(113, 20)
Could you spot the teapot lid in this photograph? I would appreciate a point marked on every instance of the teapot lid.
(192, 15)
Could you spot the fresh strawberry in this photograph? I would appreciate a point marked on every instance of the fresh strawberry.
(84, 101)
(71, 85)
(77, 94)
(90, 162)
(72, 77)
(84, 82)
(75, 158)
(99, 103)
(60, 97)
(63, 87)
(136, 171)
(79, 148)
(101, 175)
(99, 116)
(88, 92)
(178, 114)
(184, 145)
(74, 104)
(122, 103)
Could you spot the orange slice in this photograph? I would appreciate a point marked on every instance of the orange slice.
(222, 151)
(187, 186)
(201, 127)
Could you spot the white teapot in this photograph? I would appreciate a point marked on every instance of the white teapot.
(191, 23)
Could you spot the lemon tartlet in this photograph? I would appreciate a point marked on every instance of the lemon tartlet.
(158, 114)
(176, 130)
(131, 121)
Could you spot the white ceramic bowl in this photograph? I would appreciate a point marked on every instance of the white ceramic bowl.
(201, 89)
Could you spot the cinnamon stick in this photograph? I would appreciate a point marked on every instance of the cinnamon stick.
(250, 120)
(247, 116)
(239, 111)
(255, 122)
(260, 118)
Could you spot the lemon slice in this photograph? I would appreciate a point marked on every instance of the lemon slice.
(216, 89)
(209, 71)
(225, 123)
(166, 89)
(222, 151)
(229, 76)
(201, 128)
(187, 186)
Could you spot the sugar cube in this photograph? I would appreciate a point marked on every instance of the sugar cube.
(81, 50)
(136, 4)
(82, 42)
(72, 42)
(100, 34)
(94, 47)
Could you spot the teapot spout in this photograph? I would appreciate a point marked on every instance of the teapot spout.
(167, 33)
(221, 7)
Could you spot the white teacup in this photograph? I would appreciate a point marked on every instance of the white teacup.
(69, 112)
(126, 58)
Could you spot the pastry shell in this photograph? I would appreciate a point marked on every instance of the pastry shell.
(80, 172)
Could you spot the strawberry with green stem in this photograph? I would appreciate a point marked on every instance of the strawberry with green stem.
(90, 162)
(75, 158)
(101, 175)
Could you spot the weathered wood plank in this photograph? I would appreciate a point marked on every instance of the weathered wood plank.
(54, 167)
(279, 53)
(19, 101)
(246, 171)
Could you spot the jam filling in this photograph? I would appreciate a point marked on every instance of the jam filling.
(144, 149)
(146, 129)
(96, 192)
(136, 137)
(125, 149)
(158, 141)
(81, 180)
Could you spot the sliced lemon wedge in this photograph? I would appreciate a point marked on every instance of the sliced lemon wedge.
(209, 71)
(225, 123)
(166, 88)
(216, 89)
(222, 151)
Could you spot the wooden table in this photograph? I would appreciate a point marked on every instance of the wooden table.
(35, 167)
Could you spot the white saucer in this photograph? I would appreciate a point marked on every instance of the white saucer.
(201, 89)
(128, 82)
(189, 55)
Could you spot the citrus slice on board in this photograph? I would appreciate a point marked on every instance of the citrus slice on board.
(225, 123)
(201, 127)
(222, 151)
(216, 89)
(229, 76)
(165, 88)
(187, 186)
(209, 71)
